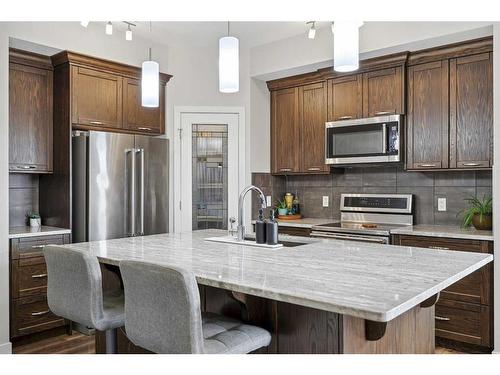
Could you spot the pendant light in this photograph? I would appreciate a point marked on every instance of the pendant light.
(229, 64)
(346, 45)
(150, 82)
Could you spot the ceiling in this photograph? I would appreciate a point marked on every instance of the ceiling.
(251, 34)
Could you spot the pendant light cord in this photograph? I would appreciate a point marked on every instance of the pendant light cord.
(150, 39)
(227, 28)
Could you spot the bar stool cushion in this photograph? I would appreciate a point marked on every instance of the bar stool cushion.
(223, 335)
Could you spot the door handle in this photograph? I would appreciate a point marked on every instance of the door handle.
(439, 248)
(314, 169)
(38, 313)
(96, 122)
(472, 164)
(40, 276)
(285, 169)
(144, 128)
(141, 206)
(37, 246)
(442, 318)
(344, 118)
(427, 165)
(25, 167)
(130, 213)
(381, 113)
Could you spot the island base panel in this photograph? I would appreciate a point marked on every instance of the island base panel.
(302, 330)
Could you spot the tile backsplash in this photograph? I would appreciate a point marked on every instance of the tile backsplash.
(426, 187)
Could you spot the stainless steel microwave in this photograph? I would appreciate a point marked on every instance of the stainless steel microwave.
(364, 141)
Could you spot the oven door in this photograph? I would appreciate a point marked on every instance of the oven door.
(351, 237)
(369, 140)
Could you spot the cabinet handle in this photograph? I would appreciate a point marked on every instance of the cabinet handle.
(25, 166)
(96, 122)
(285, 169)
(344, 118)
(472, 164)
(40, 276)
(314, 169)
(38, 313)
(442, 318)
(148, 129)
(439, 247)
(427, 165)
(381, 113)
(37, 246)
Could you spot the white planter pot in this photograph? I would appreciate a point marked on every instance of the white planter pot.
(35, 222)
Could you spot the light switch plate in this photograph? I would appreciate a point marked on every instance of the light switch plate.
(441, 204)
(268, 201)
(325, 200)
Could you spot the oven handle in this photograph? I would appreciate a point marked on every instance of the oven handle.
(347, 237)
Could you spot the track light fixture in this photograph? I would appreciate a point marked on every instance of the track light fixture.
(312, 31)
(128, 33)
(84, 23)
(109, 28)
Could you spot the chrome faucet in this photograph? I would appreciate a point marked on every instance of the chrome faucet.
(241, 227)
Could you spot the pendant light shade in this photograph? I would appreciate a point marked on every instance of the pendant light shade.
(229, 64)
(346, 45)
(150, 84)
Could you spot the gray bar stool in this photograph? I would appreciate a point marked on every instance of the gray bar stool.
(162, 314)
(74, 291)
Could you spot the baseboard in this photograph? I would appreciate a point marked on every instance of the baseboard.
(6, 348)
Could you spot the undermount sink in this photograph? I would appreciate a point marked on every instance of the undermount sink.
(250, 241)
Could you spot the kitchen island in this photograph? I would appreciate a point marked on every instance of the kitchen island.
(323, 296)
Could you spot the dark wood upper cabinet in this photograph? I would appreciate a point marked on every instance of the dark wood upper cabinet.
(345, 98)
(471, 111)
(312, 118)
(285, 131)
(96, 98)
(30, 113)
(383, 92)
(139, 118)
(427, 118)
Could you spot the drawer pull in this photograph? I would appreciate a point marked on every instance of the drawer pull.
(39, 276)
(442, 318)
(439, 247)
(96, 122)
(314, 169)
(38, 313)
(142, 128)
(37, 246)
(381, 113)
(427, 165)
(25, 166)
(472, 164)
(344, 118)
(285, 169)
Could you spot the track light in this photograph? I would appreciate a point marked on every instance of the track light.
(84, 23)
(109, 28)
(128, 33)
(312, 30)
(333, 29)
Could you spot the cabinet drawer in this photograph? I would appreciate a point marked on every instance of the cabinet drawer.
(464, 322)
(474, 288)
(31, 315)
(30, 279)
(33, 246)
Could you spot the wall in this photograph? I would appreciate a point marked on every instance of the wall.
(23, 197)
(427, 187)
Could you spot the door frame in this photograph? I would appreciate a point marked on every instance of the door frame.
(175, 182)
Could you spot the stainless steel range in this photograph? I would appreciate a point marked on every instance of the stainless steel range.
(368, 217)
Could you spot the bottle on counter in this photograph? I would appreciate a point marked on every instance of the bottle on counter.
(271, 230)
(260, 228)
(296, 205)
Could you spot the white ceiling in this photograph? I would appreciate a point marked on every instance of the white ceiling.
(251, 34)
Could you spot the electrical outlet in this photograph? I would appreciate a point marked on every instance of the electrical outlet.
(325, 200)
(268, 201)
(441, 204)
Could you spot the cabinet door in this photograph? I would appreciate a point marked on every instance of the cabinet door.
(139, 118)
(312, 114)
(345, 99)
(285, 140)
(383, 92)
(471, 111)
(96, 98)
(30, 119)
(427, 120)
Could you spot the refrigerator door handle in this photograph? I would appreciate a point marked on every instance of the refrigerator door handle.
(141, 196)
(130, 214)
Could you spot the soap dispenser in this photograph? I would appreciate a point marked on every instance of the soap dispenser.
(271, 230)
(260, 228)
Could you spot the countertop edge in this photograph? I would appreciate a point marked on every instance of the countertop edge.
(48, 232)
(443, 234)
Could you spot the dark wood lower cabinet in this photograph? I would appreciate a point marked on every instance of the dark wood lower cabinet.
(464, 312)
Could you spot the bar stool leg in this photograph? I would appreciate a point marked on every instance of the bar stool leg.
(111, 345)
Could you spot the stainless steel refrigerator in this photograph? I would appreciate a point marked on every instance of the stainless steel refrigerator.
(119, 185)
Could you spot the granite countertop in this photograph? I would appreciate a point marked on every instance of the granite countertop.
(21, 232)
(445, 231)
(303, 223)
(371, 281)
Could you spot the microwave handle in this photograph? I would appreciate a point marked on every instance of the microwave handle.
(384, 137)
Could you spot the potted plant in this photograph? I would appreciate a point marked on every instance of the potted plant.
(479, 213)
(35, 219)
(282, 208)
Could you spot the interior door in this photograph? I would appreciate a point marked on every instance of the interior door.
(210, 173)
(108, 173)
(152, 184)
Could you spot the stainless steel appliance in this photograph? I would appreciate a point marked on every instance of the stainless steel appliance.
(368, 217)
(119, 185)
(364, 141)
